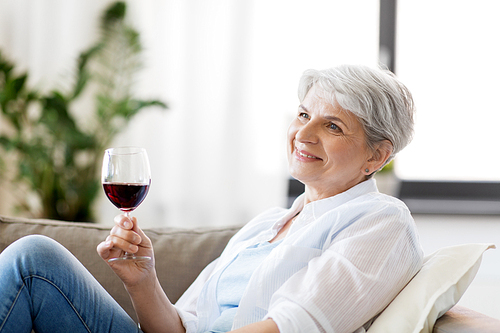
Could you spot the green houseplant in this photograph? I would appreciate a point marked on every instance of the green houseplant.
(53, 155)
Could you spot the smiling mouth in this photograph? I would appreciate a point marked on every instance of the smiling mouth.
(303, 154)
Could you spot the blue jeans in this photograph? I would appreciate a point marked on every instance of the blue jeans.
(45, 288)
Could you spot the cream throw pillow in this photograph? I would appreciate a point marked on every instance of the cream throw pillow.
(437, 287)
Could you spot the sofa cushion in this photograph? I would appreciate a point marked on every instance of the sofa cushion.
(180, 254)
(436, 288)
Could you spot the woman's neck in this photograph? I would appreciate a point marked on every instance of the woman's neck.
(312, 194)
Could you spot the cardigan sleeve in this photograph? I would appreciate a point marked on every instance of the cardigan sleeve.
(365, 266)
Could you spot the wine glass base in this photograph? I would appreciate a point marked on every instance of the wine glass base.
(130, 257)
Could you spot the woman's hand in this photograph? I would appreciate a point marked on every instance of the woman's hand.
(152, 306)
(126, 236)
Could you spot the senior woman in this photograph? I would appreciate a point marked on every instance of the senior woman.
(330, 263)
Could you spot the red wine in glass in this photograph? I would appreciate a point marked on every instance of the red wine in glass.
(126, 197)
(126, 177)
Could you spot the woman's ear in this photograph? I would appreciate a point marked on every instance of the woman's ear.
(381, 153)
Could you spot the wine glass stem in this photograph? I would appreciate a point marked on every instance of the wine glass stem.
(128, 255)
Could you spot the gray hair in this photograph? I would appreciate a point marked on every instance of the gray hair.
(382, 103)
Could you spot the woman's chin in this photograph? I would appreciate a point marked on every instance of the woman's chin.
(302, 174)
(301, 178)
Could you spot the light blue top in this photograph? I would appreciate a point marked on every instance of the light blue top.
(234, 280)
(342, 261)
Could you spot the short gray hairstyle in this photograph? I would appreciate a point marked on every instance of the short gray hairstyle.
(382, 103)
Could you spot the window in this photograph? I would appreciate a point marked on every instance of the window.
(448, 54)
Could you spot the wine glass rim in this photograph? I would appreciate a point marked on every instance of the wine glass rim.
(125, 150)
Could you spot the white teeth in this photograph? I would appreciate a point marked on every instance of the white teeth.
(309, 156)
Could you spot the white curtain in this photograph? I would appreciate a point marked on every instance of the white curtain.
(228, 71)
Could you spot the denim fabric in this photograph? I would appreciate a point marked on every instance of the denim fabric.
(45, 288)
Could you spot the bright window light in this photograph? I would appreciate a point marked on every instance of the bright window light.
(449, 56)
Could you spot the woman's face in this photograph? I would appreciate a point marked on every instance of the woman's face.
(327, 148)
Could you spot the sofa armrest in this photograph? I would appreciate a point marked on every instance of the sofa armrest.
(460, 319)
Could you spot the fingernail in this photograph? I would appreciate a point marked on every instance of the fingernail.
(127, 224)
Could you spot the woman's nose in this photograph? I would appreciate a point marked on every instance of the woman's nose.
(308, 133)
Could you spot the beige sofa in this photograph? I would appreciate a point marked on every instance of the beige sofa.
(181, 255)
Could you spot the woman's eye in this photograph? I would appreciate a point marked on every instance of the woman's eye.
(334, 127)
(303, 115)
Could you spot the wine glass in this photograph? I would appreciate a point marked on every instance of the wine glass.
(126, 177)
